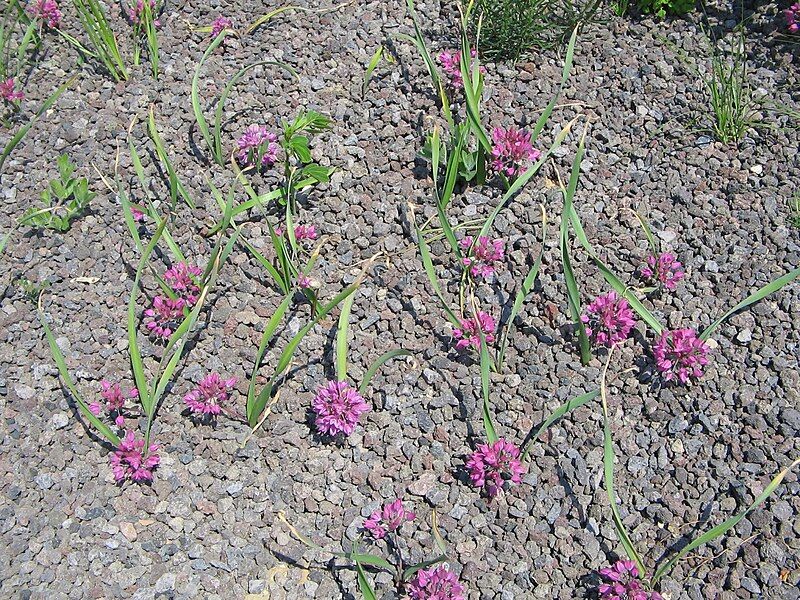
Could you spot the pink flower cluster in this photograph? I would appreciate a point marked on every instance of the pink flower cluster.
(130, 461)
(388, 519)
(492, 464)
(623, 583)
(257, 147)
(451, 65)
(136, 12)
(680, 355)
(210, 393)
(792, 15)
(305, 232)
(609, 319)
(468, 334)
(47, 11)
(219, 25)
(511, 149)
(664, 269)
(181, 278)
(164, 316)
(435, 584)
(7, 92)
(485, 253)
(115, 400)
(338, 408)
(166, 313)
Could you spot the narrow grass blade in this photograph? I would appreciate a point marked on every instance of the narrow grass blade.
(264, 18)
(427, 263)
(723, 528)
(760, 294)
(266, 337)
(608, 474)
(559, 412)
(373, 63)
(341, 338)
(363, 584)
(64, 372)
(545, 116)
(488, 422)
(23, 131)
(372, 560)
(573, 294)
(522, 293)
(202, 124)
(379, 362)
(257, 407)
(648, 233)
(412, 570)
(419, 41)
(137, 366)
(175, 185)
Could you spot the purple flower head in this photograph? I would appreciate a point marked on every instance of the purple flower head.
(210, 393)
(468, 336)
(304, 281)
(435, 584)
(114, 397)
(130, 461)
(451, 65)
(622, 583)
(47, 11)
(680, 355)
(792, 15)
(219, 25)
(138, 215)
(663, 269)
(609, 319)
(305, 232)
(485, 254)
(388, 519)
(512, 148)
(7, 92)
(164, 316)
(257, 147)
(181, 278)
(338, 408)
(492, 464)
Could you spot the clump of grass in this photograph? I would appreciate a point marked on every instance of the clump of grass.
(794, 210)
(729, 92)
(513, 28)
(100, 34)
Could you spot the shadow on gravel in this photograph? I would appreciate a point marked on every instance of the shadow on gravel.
(686, 538)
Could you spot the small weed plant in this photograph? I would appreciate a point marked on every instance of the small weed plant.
(65, 199)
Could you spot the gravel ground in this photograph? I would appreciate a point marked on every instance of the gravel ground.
(208, 527)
